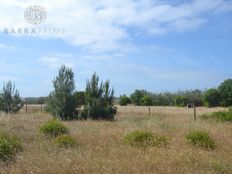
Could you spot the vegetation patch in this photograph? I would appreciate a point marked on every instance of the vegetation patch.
(144, 139)
(53, 128)
(200, 139)
(223, 116)
(9, 146)
(65, 141)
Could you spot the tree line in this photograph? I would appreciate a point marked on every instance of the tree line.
(64, 102)
(220, 96)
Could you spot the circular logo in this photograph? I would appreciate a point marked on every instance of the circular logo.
(35, 14)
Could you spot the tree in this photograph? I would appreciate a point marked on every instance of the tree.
(80, 98)
(136, 97)
(61, 101)
(147, 100)
(212, 97)
(180, 101)
(99, 100)
(124, 100)
(225, 90)
(10, 101)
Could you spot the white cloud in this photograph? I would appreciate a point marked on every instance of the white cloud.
(104, 25)
(56, 60)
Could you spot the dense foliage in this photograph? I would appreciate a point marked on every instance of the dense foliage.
(225, 90)
(10, 101)
(61, 101)
(212, 98)
(124, 100)
(99, 100)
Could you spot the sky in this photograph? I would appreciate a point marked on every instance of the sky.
(157, 45)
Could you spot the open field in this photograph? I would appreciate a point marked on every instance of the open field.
(101, 149)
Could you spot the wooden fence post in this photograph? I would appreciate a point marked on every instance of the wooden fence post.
(149, 110)
(26, 105)
(195, 114)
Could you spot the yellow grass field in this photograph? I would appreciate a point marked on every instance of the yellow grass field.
(101, 148)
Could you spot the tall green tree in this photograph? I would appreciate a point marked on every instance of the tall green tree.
(10, 101)
(212, 97)
(225, 90)
(99, 100)
(61, 101)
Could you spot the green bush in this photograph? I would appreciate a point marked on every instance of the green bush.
(124, 100)
(9, 146)
(144, 139)
(53, 128)
(200, 139)
(222, 116)
(65, 140)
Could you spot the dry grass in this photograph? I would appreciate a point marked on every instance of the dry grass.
(101, 149)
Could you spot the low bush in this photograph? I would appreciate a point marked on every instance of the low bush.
(65, 141)
(9, 146)
(222, 116)
(53, 128)
(200, 139)
(144, 139)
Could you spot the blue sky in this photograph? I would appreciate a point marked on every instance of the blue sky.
(157, 45)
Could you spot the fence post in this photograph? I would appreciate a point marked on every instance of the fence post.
(149, 111)
(195, 114)
(26, 104)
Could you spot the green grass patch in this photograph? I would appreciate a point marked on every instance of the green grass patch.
(222, 116)
(144, 139)
(9, 146)
(53, 128)
(65, 141)
(200, 139)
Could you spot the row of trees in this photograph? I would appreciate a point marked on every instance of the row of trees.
(221, 96)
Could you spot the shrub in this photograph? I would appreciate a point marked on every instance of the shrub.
(124, 100)
(222, 116)
(200, 139)
(144, 139)
(9, 146)
(65, 141)
(53, 128)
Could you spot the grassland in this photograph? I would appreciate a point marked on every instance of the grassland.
(101, 149)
